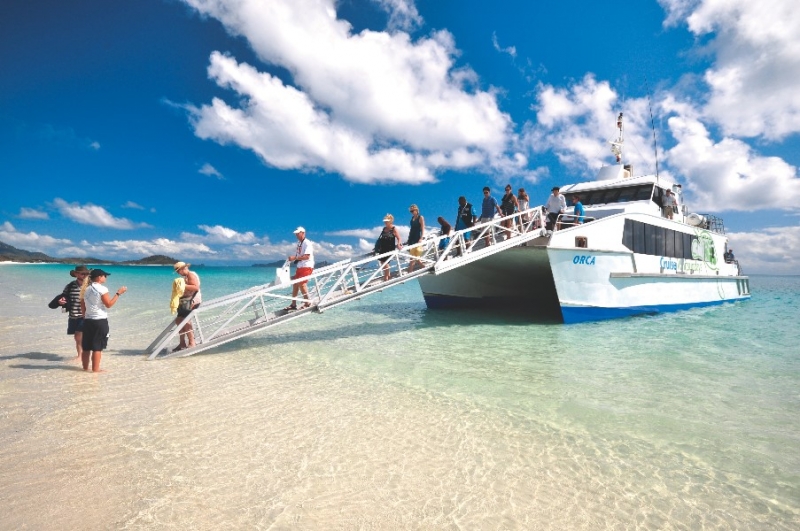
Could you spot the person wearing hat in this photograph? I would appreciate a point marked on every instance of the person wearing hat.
(388, 240)
(415, 235)
(94, 303)
(191, 297)
(303, 258)
(556, 205)
(70, 301)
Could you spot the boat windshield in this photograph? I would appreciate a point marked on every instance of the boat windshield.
(612, 195)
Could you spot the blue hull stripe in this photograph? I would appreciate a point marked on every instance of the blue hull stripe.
(580, 314)
(569, 314)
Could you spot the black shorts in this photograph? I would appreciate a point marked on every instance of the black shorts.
(74, 325)
(184, 313)
(95, 334)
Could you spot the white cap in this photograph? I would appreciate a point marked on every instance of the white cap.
(299, 229)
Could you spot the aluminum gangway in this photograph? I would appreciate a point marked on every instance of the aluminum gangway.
(246, 312)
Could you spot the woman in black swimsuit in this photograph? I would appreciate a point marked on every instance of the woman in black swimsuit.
(389, 240)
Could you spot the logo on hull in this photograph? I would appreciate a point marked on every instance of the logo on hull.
(582, 259)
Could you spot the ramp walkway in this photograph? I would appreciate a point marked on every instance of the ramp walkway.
(219, 321)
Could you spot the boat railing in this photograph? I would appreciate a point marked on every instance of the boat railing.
(569, 220)
(738, 266)
(713, 223)
(226, 318)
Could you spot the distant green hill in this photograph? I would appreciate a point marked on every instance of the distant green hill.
(156, 259)
(9, 253)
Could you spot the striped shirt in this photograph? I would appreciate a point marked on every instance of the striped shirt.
(72, 292)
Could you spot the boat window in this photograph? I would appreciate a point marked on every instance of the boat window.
(659, 193)
(643, 192)
(643, 238)
(650, 239)
(687, 245)
(660, 241)
(638, 236)
(627, 234)
(627, 194)
(612, 195)
(669, 243)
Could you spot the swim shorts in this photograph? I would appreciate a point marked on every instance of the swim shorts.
(74, 325)
(302, 272)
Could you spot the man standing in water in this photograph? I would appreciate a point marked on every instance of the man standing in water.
(304, 258)
(191, 291)
(70, 300)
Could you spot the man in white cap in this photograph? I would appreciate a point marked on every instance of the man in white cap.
(304, 259)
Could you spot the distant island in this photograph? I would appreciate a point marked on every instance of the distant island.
(279, 263)
(9, 253)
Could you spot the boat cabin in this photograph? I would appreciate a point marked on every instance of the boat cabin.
(615, 192)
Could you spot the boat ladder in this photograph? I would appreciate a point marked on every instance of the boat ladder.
(239, 314)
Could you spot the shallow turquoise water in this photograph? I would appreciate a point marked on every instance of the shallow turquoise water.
(383, 414)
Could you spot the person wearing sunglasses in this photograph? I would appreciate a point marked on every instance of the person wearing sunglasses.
(70, 301)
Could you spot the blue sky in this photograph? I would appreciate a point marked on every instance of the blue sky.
(209, 129)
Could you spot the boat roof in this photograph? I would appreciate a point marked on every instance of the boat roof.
(613, 177)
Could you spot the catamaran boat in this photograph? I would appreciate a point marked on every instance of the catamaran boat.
(626, 257)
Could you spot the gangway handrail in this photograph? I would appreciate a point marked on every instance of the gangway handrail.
(244, 312)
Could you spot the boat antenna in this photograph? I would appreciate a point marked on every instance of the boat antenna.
(652, 123)
(616, 145)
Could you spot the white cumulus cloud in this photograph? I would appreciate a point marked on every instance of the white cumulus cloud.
(373, 106)
(772, 250)
(729, 174)
(94, 215)
(756, 52)
(577, 122)
(211, 171)
(32, 213)
(30, 241)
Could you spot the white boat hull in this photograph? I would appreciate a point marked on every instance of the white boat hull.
(559, 280)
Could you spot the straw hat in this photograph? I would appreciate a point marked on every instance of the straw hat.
(180, 265)
(79, 269)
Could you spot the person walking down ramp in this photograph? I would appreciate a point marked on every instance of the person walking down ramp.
(415, 235)
(304, 258)
(388, 240)
(190, 300)
(488, 208)
(94, 302)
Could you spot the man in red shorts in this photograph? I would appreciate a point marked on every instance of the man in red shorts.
(304, 259)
